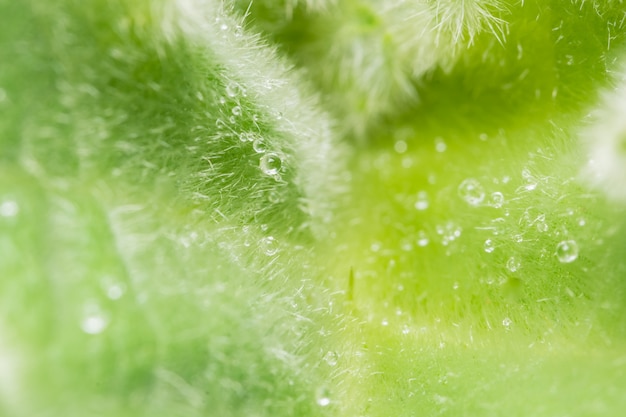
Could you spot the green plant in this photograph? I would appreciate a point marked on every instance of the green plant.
(422, 217)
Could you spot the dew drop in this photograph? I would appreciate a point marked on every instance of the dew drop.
(507, 322)
(422, 201)
(406, 329)
(9, 208)
(275, 197)
(471, 191)
(406, 245)
(331, 358)
(115, 291)
(271, 164)
(231, 89)
(259, 145)
(236, 110)
(322, 397)
(513, 264)
(496, 200)
(567, 251)
(400, 146)
(422, 238)
(489, 246)
(542, 226)
(440, 145)
(269, 246)
(94, 321)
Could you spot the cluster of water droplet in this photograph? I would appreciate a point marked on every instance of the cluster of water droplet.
(448, 232)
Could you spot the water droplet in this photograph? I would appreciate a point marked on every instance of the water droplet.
(542, 226)
(422, 238)
(94, 321)
(489, 246)
(113, 288)
(582, 222)
(269, 246)
(496, 200)
(513, 264)
(271, 164)
(422, 201)
(331, 358)
(115, 291)
(406, 329)
(231, 89)
(9, 208)
(518, 238)
(471, 191)
(407, 162)
(259, 145)
(219, 123)
(567, 251)
(322, 397)
(236, 110)
(223, 26)
(507, 322)
(400, 146)
(275, 197)
(406, 245)
(440, 145)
